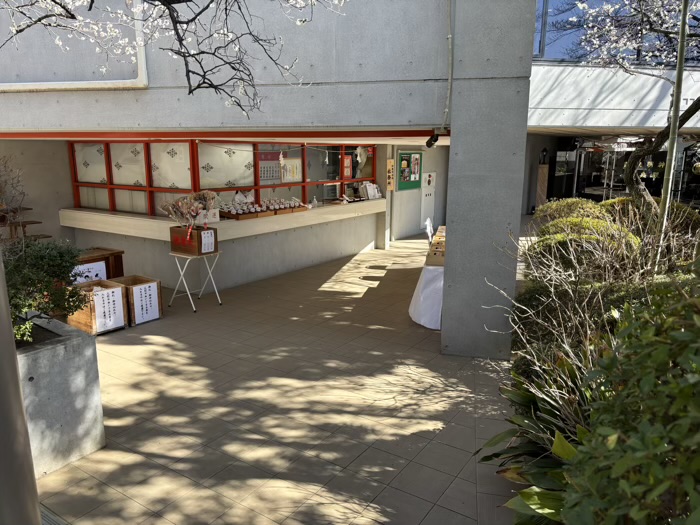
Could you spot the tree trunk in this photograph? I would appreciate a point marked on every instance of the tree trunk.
(634, 184)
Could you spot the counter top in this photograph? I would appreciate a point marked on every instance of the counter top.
(158, 228)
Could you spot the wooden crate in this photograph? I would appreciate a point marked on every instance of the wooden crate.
(267, 213)
(300, 209)
(96, 318)
(244, 216)
(179, 243)
(142, 308)
(435, 258)
(284, 211)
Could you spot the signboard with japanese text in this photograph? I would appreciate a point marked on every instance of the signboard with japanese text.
(390, 174)
(145, 298)
(109, 309)
(410, 170)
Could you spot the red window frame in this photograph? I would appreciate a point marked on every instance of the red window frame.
(151, 190)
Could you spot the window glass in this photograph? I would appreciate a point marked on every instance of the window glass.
(128, 167)
(97, 198)
(90, 163)
(280, 164)
(131, 201)
(323, 192)
(538, 28)
(281, 193)
(225, 165)
(170, 165)
(323, 162)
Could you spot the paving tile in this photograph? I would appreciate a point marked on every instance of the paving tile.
(159, 491)
(319, 510)
(238, 480)
(278, 499)
(156, 520)
(310, 469)
(442, 516)
(443, 457)
(487, 481)
(424, 482)
(80, 498)
(378, 465)
(199, 506)
(461, 498)
(202, 464)
(240, 515)
(397, 507)
(457, 436)
(491, 510)
(59, 480)
(468, 473)
(349, 488)
(119, 511)
(407, 447)
(339, 450)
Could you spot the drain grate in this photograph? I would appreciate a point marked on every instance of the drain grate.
(49, 518)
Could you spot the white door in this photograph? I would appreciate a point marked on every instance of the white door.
(427, 201)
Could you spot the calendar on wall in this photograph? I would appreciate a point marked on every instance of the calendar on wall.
(292, 170)
(269, 166)
(109, 309)
(145, 298)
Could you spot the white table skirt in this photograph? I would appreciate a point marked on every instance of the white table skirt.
(426, 305)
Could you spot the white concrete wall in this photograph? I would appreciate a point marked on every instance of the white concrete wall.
(578, 96)
(47, 182)
(244, 260)
(406, 204)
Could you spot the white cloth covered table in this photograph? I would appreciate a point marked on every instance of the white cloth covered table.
(426, 305)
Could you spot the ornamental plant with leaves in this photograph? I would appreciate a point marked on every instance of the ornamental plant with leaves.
(641, 461)
(217, 41)
(39, 277)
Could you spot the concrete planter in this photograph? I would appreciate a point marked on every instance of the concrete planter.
(61, 390)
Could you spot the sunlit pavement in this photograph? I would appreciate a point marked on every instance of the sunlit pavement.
(309, 398)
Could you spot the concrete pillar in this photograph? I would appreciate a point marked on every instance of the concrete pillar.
(383, 152)
(493, 58)
(19, 502)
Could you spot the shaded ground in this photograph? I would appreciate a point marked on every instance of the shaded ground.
(309, 398)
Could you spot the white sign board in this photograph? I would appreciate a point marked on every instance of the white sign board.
(109, 309)
(145, 303)
(207, 241)
(90, 272)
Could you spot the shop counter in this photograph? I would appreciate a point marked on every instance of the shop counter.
(158, 228)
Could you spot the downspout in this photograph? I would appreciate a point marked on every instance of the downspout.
(140, 82)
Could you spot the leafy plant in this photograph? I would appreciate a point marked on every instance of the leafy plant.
(587, 226)
(641, 461)
(39, 276)
(563, 208)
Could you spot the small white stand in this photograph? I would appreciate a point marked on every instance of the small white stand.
(183, 268)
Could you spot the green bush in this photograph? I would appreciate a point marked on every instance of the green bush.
(583, 226)
(682, 218)
(560, 209)
(39, 278)
(641, 461)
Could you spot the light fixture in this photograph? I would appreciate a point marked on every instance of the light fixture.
(432, 140)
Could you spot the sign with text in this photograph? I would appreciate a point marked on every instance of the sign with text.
(145, 303)
(410, 170)
(109, 309)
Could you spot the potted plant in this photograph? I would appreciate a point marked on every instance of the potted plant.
(187, 237)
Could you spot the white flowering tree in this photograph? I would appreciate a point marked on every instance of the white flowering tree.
(638, 37)
(217, 41)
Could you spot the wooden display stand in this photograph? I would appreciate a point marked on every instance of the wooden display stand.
(112, 259)
(104, 312)
(194, 245)
(144, 297)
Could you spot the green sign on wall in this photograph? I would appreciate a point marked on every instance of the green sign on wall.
(409, 170)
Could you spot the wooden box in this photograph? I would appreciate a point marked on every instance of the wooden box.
(300, 209)
(195, 245)
(244, 216)
(144, 298)
(267, 213)
(105, 311)
(435, 258)
(284, 211)
(112, 260)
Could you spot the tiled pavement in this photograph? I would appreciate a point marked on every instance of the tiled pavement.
(309, 398)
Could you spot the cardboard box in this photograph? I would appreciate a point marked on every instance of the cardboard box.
(106, 309)
(199, 242)
(144, 298)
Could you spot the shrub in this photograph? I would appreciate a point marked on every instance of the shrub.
(682, 218)
(560, 209)
(641, 461)
(596, 227)
(39, 278)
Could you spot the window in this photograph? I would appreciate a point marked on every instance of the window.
(555, 36)
(138, 177)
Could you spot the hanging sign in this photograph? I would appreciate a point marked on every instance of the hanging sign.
(347, 166)
(390, 174)
(410, 170)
